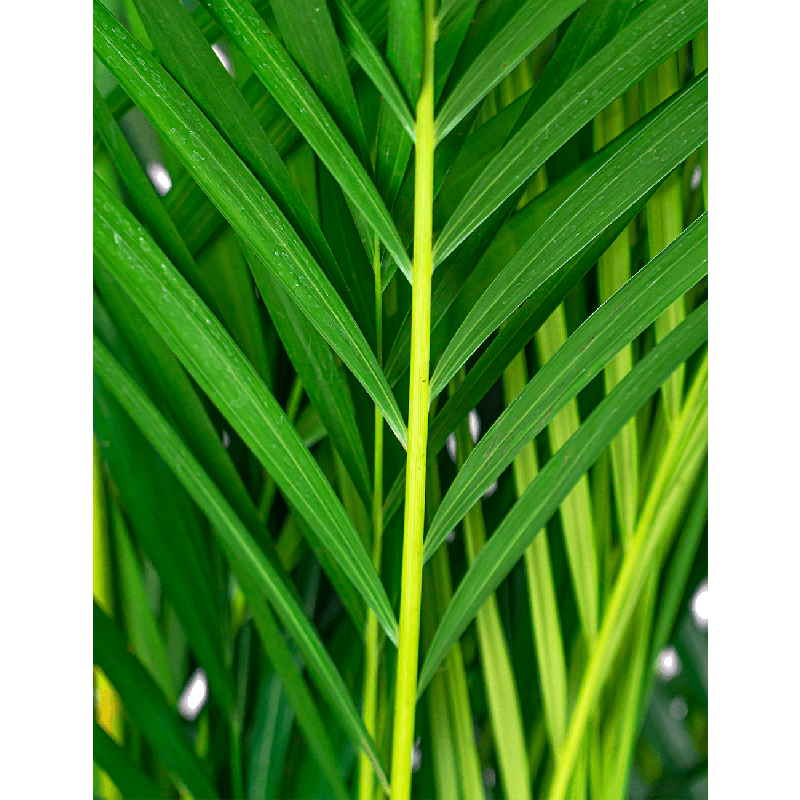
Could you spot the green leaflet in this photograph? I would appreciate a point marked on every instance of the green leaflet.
(310, 38)
(257, 575)
(284, 80)
(654, 32)
(243, 201)
(168, 528)
(192, 63)
(371, 61)
(626, 314)
(214, 361)
(322, 380)
(556, 479)
(671, 136)
(520, 35)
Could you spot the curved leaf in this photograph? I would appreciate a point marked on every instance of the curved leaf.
(310, 38)
(147, 203)
(526, 29)
(594, 25)
(184, 52)
(371, 61)
(670, 137)
(556, 479)
(626, 314)
(287, 84)
(119, 103)
(256, 572)
(243, 201)
(172, 391)
(520, 327)
(308, 717)
(219, 367)
(653, 33)
(322, 380)
(167, 526)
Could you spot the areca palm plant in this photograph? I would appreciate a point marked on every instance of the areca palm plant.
(400, 361)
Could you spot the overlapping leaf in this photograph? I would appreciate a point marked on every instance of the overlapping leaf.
(671, 136)
(245, 204)
(286, 83)
(556, 479)
(518, 330)
(324, 383)
(219, 367)
(147, 707)
(371, 61)
(166, 526)
(522, 33)
(654, 32)
(257, 574)
(310, 38)
(201, 74)
(626, 314)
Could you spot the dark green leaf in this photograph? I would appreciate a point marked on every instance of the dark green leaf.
(285, 81)
(146, 706)
(250, 210)
(556, 479)
(128, 778)
(214, 361)
(652, 34)
(257, 576)
(670, 137)
(311, 40)
(626, 314)
(322, 380)
(524, 31)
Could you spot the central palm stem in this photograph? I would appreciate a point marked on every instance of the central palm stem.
(411, 585)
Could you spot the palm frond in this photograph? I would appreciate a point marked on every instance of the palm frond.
(320, 216)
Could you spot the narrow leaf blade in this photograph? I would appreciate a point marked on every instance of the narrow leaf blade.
(254, 569)
(618, 184)
(210, 356)
(655, 31)
(553, 483)
(243, 201)
(521, 34)
(289, 87)
(146, 706)
(626, 314)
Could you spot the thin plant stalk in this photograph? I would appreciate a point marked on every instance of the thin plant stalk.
(683, 457)
(268, 491)
(576, 510)
(457, 766)
(547, 637)
(627, 709)
(372, 632)
(411, 581)
(614, 269)
(579, 538)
